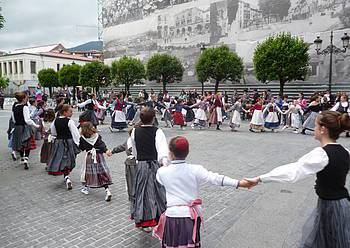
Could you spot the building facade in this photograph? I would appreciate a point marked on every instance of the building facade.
(22, 66)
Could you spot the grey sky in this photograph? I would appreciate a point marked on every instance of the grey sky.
(41, 22)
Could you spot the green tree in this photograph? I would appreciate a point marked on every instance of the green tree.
(164, 68)
(219, 64)
(283, 58)
(95, 75)
(69, 75)
(48, 78)
(4, 82)
(127, 71)
(277, 8)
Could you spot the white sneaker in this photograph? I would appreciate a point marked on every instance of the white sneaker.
(13, 155)
(111, 129)
(85, 190)
(295, 131)
(108, 195)
(69, 183)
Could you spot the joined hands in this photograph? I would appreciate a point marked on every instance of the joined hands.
(249, 182)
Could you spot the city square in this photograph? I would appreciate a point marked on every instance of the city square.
(38, 211)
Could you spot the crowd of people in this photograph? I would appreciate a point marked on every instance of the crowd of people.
(163, 189)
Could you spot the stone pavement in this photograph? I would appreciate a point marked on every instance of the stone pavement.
(37, 211)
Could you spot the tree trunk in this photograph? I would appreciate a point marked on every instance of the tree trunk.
(127, 89)
(97, 90)
(282, 83)
(74, 92)
(217, 86)
(50, 91)
(202, 88)
(164, 86)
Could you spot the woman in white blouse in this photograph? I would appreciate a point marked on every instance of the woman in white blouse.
(330, 162)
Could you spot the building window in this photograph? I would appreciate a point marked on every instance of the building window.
(10, 67)
(15, 65)
(32, 67)
(21, 67)
(58, 67)
(5, 68)
(313, 71)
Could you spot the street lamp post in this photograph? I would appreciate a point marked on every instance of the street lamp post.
(202, 49)
(330, 50)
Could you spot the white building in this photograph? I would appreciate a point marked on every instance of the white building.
(22, 66)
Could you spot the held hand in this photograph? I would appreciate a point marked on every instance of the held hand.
(246, 184)
(109, 153)
(253, 180)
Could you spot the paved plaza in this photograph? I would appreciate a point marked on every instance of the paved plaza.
(36, 210)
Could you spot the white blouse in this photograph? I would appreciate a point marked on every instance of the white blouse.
(72, 128)
(95, 102)
(182, 182)
(343, 104)
(26, 115)
(306, 166)
(161, 146)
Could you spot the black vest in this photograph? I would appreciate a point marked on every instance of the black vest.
(145, 139)
(62, 129)
(342, 109)
(18, 115)
(330, 182)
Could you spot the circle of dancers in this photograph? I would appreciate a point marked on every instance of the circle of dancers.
(163, 189)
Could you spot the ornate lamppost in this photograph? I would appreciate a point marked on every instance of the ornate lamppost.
(330, 50)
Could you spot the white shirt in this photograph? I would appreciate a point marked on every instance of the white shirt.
(182, 182)
(161, 146)
(72, 128)
(306, 166)
(343, 104)
(95, 102)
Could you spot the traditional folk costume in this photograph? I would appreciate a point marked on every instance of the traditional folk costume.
(200, 116)
(46, 147)
(130, 111)
(130, 166)
(89, 115)
(178, 116)
(36, 115)
(235, 121)
(23, 134)
(118, 116)
(179, 226)
(101, 113)
(64, 148)
(95, 172)
(295, 112)
(329, 224)
(271, 121)
(216, 113)
(309, 123)
(285, 117)
(167, 116)
(257, 121)
(150, 148)
(342, 107)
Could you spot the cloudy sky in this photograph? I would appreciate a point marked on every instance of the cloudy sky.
(42, 22)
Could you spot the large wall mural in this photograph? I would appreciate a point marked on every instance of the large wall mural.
(142, 27)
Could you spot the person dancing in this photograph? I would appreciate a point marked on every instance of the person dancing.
(329, 224)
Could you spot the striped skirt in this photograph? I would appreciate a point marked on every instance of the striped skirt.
(328, 225)
(178, 233)
(149, 196)
(96, 175)
(23, 138)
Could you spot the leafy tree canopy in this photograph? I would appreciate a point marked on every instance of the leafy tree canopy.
(127, 71)
(95, 75)
(281, 57)
(164, 68)
(4, 82)
(219, 64)
(69, 75)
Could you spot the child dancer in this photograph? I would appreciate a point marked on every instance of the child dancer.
(271, 121)
(23, 136)
(118, 116)
(329, 225)
(178, 116)
(65, 146)
(200, 116)
(95, 173)
(342, 107)
(315, 107)
(257, 121)
(49, 117)
(179, 225)
(295, 112)
(237, 109)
